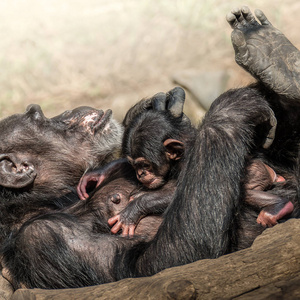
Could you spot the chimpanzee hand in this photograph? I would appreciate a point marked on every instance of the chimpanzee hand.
(269, 216)
(91, 178)
(141, 204)
(119, 223)
(126, 220)
(94, 178)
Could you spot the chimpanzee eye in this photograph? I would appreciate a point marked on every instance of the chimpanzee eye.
(142, 165)
(146, 166)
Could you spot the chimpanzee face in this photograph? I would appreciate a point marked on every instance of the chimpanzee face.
(36, 149)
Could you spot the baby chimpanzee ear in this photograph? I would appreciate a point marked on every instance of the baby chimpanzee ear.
(176, 98)
(175, 148)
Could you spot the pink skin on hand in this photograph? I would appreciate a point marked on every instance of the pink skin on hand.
(85, 180)
(118, 225)
(265, 218)
(98, 176)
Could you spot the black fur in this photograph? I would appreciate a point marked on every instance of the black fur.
(59, 249)
(144, 136)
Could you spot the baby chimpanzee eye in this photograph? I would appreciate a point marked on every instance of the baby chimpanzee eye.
(143, 165)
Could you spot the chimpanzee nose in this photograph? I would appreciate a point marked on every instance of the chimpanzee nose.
(116, 198)
(140, 173)
(35, 112)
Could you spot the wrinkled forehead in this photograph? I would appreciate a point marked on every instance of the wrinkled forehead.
(17, 131)
(35, 111)
(23, 129)
(12, 123)
(33, 129)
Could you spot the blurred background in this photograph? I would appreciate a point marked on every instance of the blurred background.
(111, 53)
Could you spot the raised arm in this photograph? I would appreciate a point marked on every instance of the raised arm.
(201, 222)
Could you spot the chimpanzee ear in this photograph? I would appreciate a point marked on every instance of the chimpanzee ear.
(175, 148)
(176, 99)
(15, 173)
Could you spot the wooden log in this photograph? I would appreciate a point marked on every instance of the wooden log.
(264, 271)
(6, 290)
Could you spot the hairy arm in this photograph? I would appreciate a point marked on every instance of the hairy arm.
(152, 202)
(201, 220)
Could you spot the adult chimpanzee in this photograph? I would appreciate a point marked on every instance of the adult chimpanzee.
(72, 247)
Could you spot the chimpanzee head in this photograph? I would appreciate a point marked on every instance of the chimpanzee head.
(36, 151)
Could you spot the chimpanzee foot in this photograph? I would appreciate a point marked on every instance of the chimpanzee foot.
(267, 218)
(265, 52)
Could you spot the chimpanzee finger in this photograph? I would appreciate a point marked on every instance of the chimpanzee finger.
(81, 188)
(271, 134)
(88, 181)
(79, 193)
(125, 230)
(232, 20)
(113, 220)
(239, 16)
(261, 17)
(248, 16)
(115, 229)
(131, 230)
(239, 45)
(98, 179)
(236, 18)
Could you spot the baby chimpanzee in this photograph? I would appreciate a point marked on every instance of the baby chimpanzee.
(153, 144)
(259, 181)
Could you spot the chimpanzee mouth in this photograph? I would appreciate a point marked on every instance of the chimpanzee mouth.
(96, 121)
(154, 184)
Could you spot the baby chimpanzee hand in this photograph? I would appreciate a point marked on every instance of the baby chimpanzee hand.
(127, 219)
(118, 223)
(94, 178)
(90, 178)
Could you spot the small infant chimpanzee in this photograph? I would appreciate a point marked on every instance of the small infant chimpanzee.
(259, 181)
(153, 144)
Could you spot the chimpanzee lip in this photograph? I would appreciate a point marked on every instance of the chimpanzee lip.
(153, 184)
